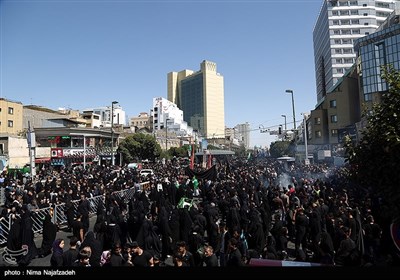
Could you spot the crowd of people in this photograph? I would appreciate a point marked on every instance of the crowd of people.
(259, 209)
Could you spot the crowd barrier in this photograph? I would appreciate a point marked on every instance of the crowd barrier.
(57, 212)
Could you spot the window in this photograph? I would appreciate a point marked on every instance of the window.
(332, 103)
(355, 21)
(336, 32)
(356, 31)
(354, 12)
(366, 23)
(318, 134)
(364, 5)
(317, 120)
(347, 41)
(366, 33)
(347, 50)
(346, 32)
(345, 22)
(339, 70)
(339, 60)
(335, 13)
(335, 22)
(337, 41)
(338, 50)
(344, 13)
(365, 14)
(11, 110)
(348, 60)
(10, 123)
(334, 119)
(353, 3)
(334, 132)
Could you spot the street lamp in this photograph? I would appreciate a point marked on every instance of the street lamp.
(285, 121)
(306, 161)
(294, 114)
(112, 132)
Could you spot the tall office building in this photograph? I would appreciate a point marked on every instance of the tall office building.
(338, 25)
(242, 132)
(200, 95)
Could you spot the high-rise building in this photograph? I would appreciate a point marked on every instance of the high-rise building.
(242, 133)
(200, 95)
(338, 25)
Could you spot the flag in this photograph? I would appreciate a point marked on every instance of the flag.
(192, 159)
(209, 162)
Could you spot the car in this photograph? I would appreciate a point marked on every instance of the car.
(146, 172)
(135, 165)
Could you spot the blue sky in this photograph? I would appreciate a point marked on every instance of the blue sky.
(80, 54)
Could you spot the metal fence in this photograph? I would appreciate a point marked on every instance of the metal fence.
(57, 212)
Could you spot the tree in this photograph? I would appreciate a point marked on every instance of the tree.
(279, 148)
(374, 160)
(139, 146)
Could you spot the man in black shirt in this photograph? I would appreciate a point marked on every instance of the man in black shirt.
(140, 258)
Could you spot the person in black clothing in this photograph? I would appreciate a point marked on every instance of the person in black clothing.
(95, 246)
(234, 256)
(77, 228)
(71, 255)
(49, 235)
(56, 258)
(116, 258)
(27, 236)
(210, 259)
(186, 255)
(84, 208)
(140, 258)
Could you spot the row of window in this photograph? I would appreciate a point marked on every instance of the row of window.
(347, 60)
(348, 32)
(343, 41)
(318, 133)
(10, 123)
(333, 119)
(344, 51)
(10, 110)
(344, 3)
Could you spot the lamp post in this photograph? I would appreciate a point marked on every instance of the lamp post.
(112, 132)
(294, 114)
(306, 161)
(285, 121)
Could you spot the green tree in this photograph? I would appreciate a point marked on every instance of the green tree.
(178, 152)
(139, 146)
(241, 152)
(279, 148)
(374, 160)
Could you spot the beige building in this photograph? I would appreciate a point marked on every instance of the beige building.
(200, 95)
(10, 117)
(338, 110)
(141, 121)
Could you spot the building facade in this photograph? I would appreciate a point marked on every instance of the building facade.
(338, 25)
(10, 117)
(200, 95)
(242, 133)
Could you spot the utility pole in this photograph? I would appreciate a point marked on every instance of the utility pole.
(31, 146)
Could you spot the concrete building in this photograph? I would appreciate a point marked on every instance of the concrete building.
(242, 133)
(340, 23)
(104, 114)
(38, 115)
(141, 121)
(338, 110)
(200, 95)
(11, 113)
